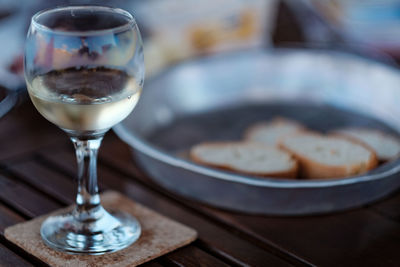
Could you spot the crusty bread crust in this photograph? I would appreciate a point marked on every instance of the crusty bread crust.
(310, 169)
(290, 173)
(353, 140)
(250, 131)
(359, 141)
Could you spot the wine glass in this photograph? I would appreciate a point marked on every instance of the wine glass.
(84, 71)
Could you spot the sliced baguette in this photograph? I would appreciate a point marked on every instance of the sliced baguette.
(271, 132)
(246, 158)
(386, 147)
(329, 156)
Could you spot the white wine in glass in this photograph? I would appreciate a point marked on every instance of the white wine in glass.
(85, 100)
(84, 71)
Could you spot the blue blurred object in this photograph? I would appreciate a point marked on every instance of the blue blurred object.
(8, 99)
(373, 24)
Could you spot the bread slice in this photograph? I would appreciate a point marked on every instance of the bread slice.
(271, 132)
(246, 158)
(329, 156)
(386, 147)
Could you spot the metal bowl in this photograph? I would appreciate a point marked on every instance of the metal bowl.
(216, 98)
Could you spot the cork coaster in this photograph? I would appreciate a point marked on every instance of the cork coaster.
(160, 235)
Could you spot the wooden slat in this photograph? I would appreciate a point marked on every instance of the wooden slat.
(24, 131)
(191, 257)
(152, 263)
(50, 182)
(8, 218)
(389, 207)
(18, 120)
(351, 238)
(23, 199)
(16, 145)
(218, 240)
(9, 258)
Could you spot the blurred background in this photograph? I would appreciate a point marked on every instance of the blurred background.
(178, 30)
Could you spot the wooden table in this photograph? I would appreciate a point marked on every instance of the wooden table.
(37, 169)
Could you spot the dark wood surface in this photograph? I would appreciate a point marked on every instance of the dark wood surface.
(37, 176)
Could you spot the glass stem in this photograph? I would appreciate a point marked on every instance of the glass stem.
(88, 206)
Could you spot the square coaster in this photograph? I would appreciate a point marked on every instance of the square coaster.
(160, 235)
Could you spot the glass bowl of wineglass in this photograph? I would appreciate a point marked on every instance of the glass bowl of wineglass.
(84, 70)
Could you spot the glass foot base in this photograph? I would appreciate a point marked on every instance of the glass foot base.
(109, 233)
